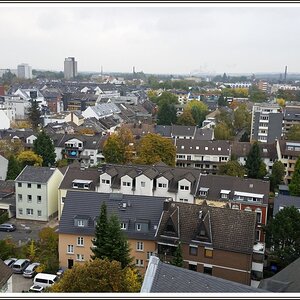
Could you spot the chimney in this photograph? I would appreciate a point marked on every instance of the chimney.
(167, 204)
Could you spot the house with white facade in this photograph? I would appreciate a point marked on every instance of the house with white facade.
(100, 111)
(36, 193)
(26, 94)
(4, 120)
(3, 167)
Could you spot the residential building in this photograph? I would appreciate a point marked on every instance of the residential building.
(266, 123)
(70, 68)
(291, 116)
(214, 241)
(36, 193)
(17, 104)
(8, 198)
(100, 111)
(282, 201)
(53, 99)
(4, 120)
(3, 167)
(6, 281)
(241, 194)
(139, 218)
(24, 71)
(161, 277)
(76, 178)
(28, 94)
(180, 184)
(203, 155)
(263, 85)
(288, 153)
(285, 281)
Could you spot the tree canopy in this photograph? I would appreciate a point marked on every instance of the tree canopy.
(232, 168)
(223, 132)
(186, 118)
(276, 177)
(294, 133)
(199, 110)
(13, 169)
(98, 276)
(44, 147)
(34, 114)
(283, 233)
(254, 164)
(154, 148)
(242, 118)
(294, 186)
(166, 114)
(30, 158)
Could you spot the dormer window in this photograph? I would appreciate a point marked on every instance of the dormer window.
(138, 227)
(124, 226)
(81, 221)
(203, 191)
(81, 184)
(225, 194)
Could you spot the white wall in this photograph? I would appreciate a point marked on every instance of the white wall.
(147, 189)
(4, 120)
(103, 187)
(3, 167)
(184, 194)
(126, 189)
(163, 191)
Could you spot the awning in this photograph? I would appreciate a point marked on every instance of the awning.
(249, 195)
(225, 191)
(203, 189)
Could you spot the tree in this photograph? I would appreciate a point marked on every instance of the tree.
(280, 102)
(199, 110)
(34, 114)
(166, 114)
(98, 276)
(253, 161)
(294, 133)
(242, 118)
(166, 97)
(186, 118)
(222, 101)
(245, 137)
(44, 147)
(277, 175)
(11, 147)
(232, 168)
(178, 259)
(31, 250)
(101, 234)
(283, 232)
(256, 95)
(294, 186)
(154, 148)
(29, 158)
(223, 132)
(13, 169)
(7, 249)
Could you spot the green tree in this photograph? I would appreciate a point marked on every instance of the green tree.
(277, 175)
(97, 276)
(34, 114)
(101, 234)
(253, 162)
(222, 101)
(283, 233)
(186, 118)
(166, 97)
(294, 133)
(154, 148)
(13, 169)
(294, 186)
(256, 95)
(7, 249)
(113, 150)
(29, 158)
(44, 147)
(199, 110)
(245, 137)
(178, 258)
(242, 118)
(223, 132)
(232, 168)
(166, 114)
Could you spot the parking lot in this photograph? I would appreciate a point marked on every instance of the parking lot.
(20, 283)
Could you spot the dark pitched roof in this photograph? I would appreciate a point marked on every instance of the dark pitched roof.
(163, 130)
(5, 273)
(166, 278)
(216, 183)
(227, 229)
(88, 204)
(285, 201)
(242, 149)
(287, 280)
(35, 174)
(180, 130)
(292, 113)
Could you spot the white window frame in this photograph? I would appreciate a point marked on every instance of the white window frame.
(80, 241)
(80, 223)
(139, 262)
(37, 199)
(138, 227)
(70, 249)
(38, 213)
(20, 211)
(124, 226)
(80, 257)
(139, 246)
(29, 210)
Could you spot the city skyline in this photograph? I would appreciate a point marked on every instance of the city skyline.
(153, 39)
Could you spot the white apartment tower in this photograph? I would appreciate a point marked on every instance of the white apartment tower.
(70, 68)
(24, 71)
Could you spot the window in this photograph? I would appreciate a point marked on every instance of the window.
(19, 184)
(70, 249)
(208, 253)
(29, 198)
(19, 197)
(183, 200)
(149, 253)
(123, 226)
(80, 257)
(29, 211)
(193, 250)
(140, 246)
(63, 199)
(258, 215)
(80, 223)
(203, 193)
(29, 185)
(207, 270)
(105, 181)
(184, 187)
(248, 209)
(39, 213)
(257, 235)
(20, 211)
(143, 184)
(139, 262)
(162, 185)
(38, 186)
(138, 227)
(126, 183)
(235, 206)
(224, 196)
(39, 199)
(80, 241)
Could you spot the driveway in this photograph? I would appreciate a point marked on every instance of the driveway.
(20, 283)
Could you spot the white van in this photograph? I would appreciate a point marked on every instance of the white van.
(44, 279)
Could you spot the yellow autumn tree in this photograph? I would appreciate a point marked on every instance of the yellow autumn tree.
(28, 157)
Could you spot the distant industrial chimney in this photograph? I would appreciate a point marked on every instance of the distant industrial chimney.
(133, 70)
(285, 73)
(101, 70)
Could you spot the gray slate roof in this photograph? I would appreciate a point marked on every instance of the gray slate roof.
(166, 278)
(287, 280)
(285, 201)
(35, 174)
(89, 203)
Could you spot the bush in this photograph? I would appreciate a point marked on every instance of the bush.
(4, 217)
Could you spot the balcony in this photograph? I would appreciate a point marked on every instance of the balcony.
(257, 267)
(259, 247)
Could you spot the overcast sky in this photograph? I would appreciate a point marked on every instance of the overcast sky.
(173, 40)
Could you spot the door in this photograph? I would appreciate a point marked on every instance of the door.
(70, 263)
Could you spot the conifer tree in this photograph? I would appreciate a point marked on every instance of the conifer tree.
(178, 259)
(14, 168)
(34, 114)
(253, 162)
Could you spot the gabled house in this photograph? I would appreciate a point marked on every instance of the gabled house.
(5, 278)
(139, 218)
(214, 241)
(36, 193)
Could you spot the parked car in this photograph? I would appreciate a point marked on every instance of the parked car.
(10, 261)
(36, 289)
(7, 227)
(20, 265)
(30, 271)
